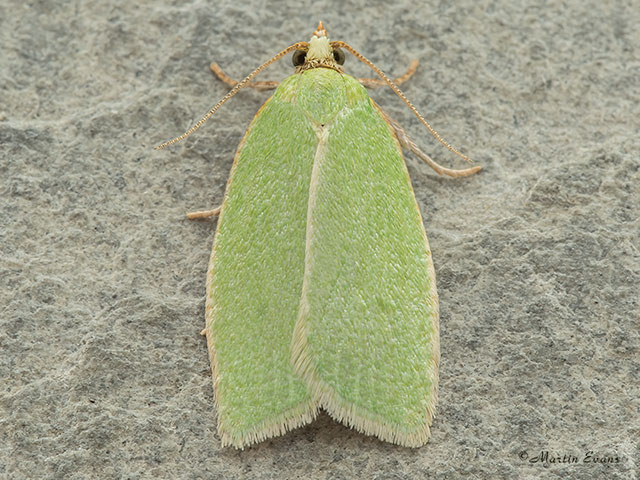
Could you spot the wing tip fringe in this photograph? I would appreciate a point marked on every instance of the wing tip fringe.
(298, 416)
(347, 413)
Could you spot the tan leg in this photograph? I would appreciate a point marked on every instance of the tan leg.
(407, 142)
(440, 170)
(202, 214)
(215, 68)
(378, 82)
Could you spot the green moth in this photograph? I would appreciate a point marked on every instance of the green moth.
(321, 291)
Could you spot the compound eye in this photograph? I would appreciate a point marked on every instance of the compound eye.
(299, 56)
(338, 55)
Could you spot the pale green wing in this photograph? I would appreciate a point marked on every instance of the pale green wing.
(255, 276)
(366, 339)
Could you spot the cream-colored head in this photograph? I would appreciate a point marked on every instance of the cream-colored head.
(320, 54)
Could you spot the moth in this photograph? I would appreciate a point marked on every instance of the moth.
(321, 290)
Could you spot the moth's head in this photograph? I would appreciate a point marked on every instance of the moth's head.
(319, 54)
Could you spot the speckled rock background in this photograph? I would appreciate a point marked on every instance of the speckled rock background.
(103, 373)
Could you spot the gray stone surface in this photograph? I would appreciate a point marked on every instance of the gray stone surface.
(103, 373)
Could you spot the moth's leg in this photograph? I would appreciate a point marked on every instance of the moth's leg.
(204, 214)
(215, 68)
(378, 82)
(406, 142)
(464, 172)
